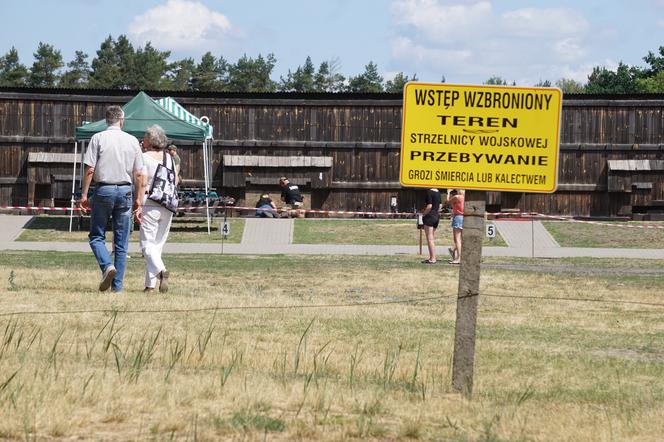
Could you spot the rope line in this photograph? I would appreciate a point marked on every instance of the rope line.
(337, 305)
(218, 308)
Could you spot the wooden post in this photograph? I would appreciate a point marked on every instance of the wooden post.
(469, 290)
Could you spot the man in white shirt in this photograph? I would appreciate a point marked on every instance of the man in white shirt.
(113, 160)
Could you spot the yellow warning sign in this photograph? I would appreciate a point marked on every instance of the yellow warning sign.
(480, 137)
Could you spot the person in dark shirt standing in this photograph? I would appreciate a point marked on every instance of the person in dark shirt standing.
(430, 219)
(290, 194)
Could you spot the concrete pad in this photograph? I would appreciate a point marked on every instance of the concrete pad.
(11, 226)
(521, 234)
(268, 231)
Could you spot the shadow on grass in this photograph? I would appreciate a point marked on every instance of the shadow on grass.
(61, 224)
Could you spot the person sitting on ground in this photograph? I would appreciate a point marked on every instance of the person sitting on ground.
(456, 199)
(290, 194)
(265, 206)
(155, 219)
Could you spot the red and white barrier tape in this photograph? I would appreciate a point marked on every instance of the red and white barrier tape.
(341, 213)
(323, 212)
(600, 223)
(41, 209)
(236, 208)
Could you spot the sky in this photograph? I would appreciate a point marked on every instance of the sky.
(464, 41)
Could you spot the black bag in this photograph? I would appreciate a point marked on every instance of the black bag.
(163, 189)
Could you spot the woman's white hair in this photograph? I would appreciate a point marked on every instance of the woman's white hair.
(156, 136)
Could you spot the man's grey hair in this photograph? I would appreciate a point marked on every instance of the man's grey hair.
(113, 115)
(156, 136)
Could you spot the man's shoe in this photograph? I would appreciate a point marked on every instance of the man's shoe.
(107, 278)
(163, 281)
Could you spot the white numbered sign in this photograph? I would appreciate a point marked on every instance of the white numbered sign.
(490, 230)
(225, 229)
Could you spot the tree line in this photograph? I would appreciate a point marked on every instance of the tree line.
(120, 65)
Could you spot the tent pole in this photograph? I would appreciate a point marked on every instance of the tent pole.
(80, 175)
(207, 185)
(209, 158)
(73, 187)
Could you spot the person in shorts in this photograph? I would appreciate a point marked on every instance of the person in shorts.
(456, 199)
(430, 219)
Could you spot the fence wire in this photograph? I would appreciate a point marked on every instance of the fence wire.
(321, 306)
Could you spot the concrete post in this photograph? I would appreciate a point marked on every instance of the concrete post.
(468, 294)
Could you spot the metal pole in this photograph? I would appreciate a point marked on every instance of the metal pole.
(532, 235)
(81, 170)
(207, 186)
(73, 188)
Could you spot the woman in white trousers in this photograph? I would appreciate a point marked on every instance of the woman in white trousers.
(155, 219)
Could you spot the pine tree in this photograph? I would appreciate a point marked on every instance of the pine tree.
(12, 73)
(105, 72)
(208, 74)
(180, 75)
(543, 83)
(126, 56)
(569, 86)
(496, 81)
(302, 80)
(150, 67)
(78, 73)
(249, 75)
(44, 71)
(327, 79)
(396, 85)
(606, 81)
(369, 81)
(655, 62)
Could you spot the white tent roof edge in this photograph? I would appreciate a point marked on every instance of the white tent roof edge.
(175, 108)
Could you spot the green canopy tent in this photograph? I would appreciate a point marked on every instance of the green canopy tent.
(142, 112)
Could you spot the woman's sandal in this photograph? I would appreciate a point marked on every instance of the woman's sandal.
(427, 261)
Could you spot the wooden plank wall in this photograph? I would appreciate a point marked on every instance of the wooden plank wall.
(361, 134)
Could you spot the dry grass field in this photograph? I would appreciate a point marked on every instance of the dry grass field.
(241, 348)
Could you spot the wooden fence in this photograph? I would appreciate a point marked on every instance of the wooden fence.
(610, 159)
